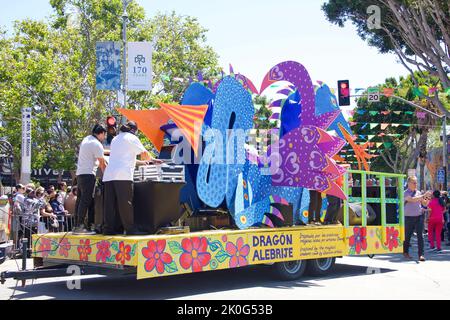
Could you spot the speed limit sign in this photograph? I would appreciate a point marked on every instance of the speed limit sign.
(373, 94)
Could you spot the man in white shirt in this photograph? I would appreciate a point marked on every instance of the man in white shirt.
(90, 158)
(118, 179)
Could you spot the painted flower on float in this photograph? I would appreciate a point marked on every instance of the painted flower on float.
(84, 249)
(358, 240)
(391, 238)
(194, 254)
(45, 247)
(156, 257)
(103, 252)
(64, 247)
(238, 253)
(124, 253)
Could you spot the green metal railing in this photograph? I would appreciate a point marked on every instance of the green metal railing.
(382, 200)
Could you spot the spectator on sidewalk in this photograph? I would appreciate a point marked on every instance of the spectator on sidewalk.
(414, 219)
(30, 216)
(45, 209)
(19, 198)
(70, 201)
(436, 220)
(70, 205)
(447, 216)
(58, 209)
(62, 192)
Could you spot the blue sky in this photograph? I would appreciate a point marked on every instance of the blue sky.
(255, 35)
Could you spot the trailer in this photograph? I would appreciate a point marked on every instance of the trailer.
(291, 250)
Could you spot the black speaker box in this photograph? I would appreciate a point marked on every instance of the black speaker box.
(156, 204)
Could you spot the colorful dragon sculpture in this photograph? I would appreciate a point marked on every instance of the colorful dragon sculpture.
(254, 190)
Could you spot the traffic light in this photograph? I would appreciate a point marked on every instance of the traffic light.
(110, 129)
(344, 92)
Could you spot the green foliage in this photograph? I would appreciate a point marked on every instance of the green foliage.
(415, 30)
(398, 151)
(262, 114)
(340, 11)
(50, 66)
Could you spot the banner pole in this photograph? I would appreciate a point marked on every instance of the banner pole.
(124, 40)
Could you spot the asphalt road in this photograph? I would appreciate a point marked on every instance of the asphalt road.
(383, 277)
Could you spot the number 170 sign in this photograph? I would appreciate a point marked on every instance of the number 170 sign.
(139, 70)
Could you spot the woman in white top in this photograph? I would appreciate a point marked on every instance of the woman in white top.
(118, 180)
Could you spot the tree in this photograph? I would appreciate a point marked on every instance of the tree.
(262, 114)
(51, 66)
(418, 31)
(401, 146)
(180, 50)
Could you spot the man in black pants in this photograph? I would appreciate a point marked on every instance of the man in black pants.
(90, 158)
(118, 180)
(315, 206)
(334, 204)
(414, 219)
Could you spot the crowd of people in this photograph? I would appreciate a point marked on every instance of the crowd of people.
(37, 209)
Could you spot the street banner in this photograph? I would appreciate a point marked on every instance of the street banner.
(139, 71)
(108, 75)
(26, 145)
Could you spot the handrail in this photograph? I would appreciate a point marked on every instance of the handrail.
(382, 174)
(364, 199)
(346, 203)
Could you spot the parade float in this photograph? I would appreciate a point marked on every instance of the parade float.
(262, 192)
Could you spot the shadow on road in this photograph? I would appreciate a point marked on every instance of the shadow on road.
(430, 255)
(127, 287)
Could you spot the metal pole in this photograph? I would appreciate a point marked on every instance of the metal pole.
(445, 151)
(24, 256)
(24, 253)
(124, 60)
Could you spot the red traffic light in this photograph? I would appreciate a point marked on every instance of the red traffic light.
(344, 92)
(111, 121)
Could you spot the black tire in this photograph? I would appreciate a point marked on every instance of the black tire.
(289, 270)
(320, 267)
